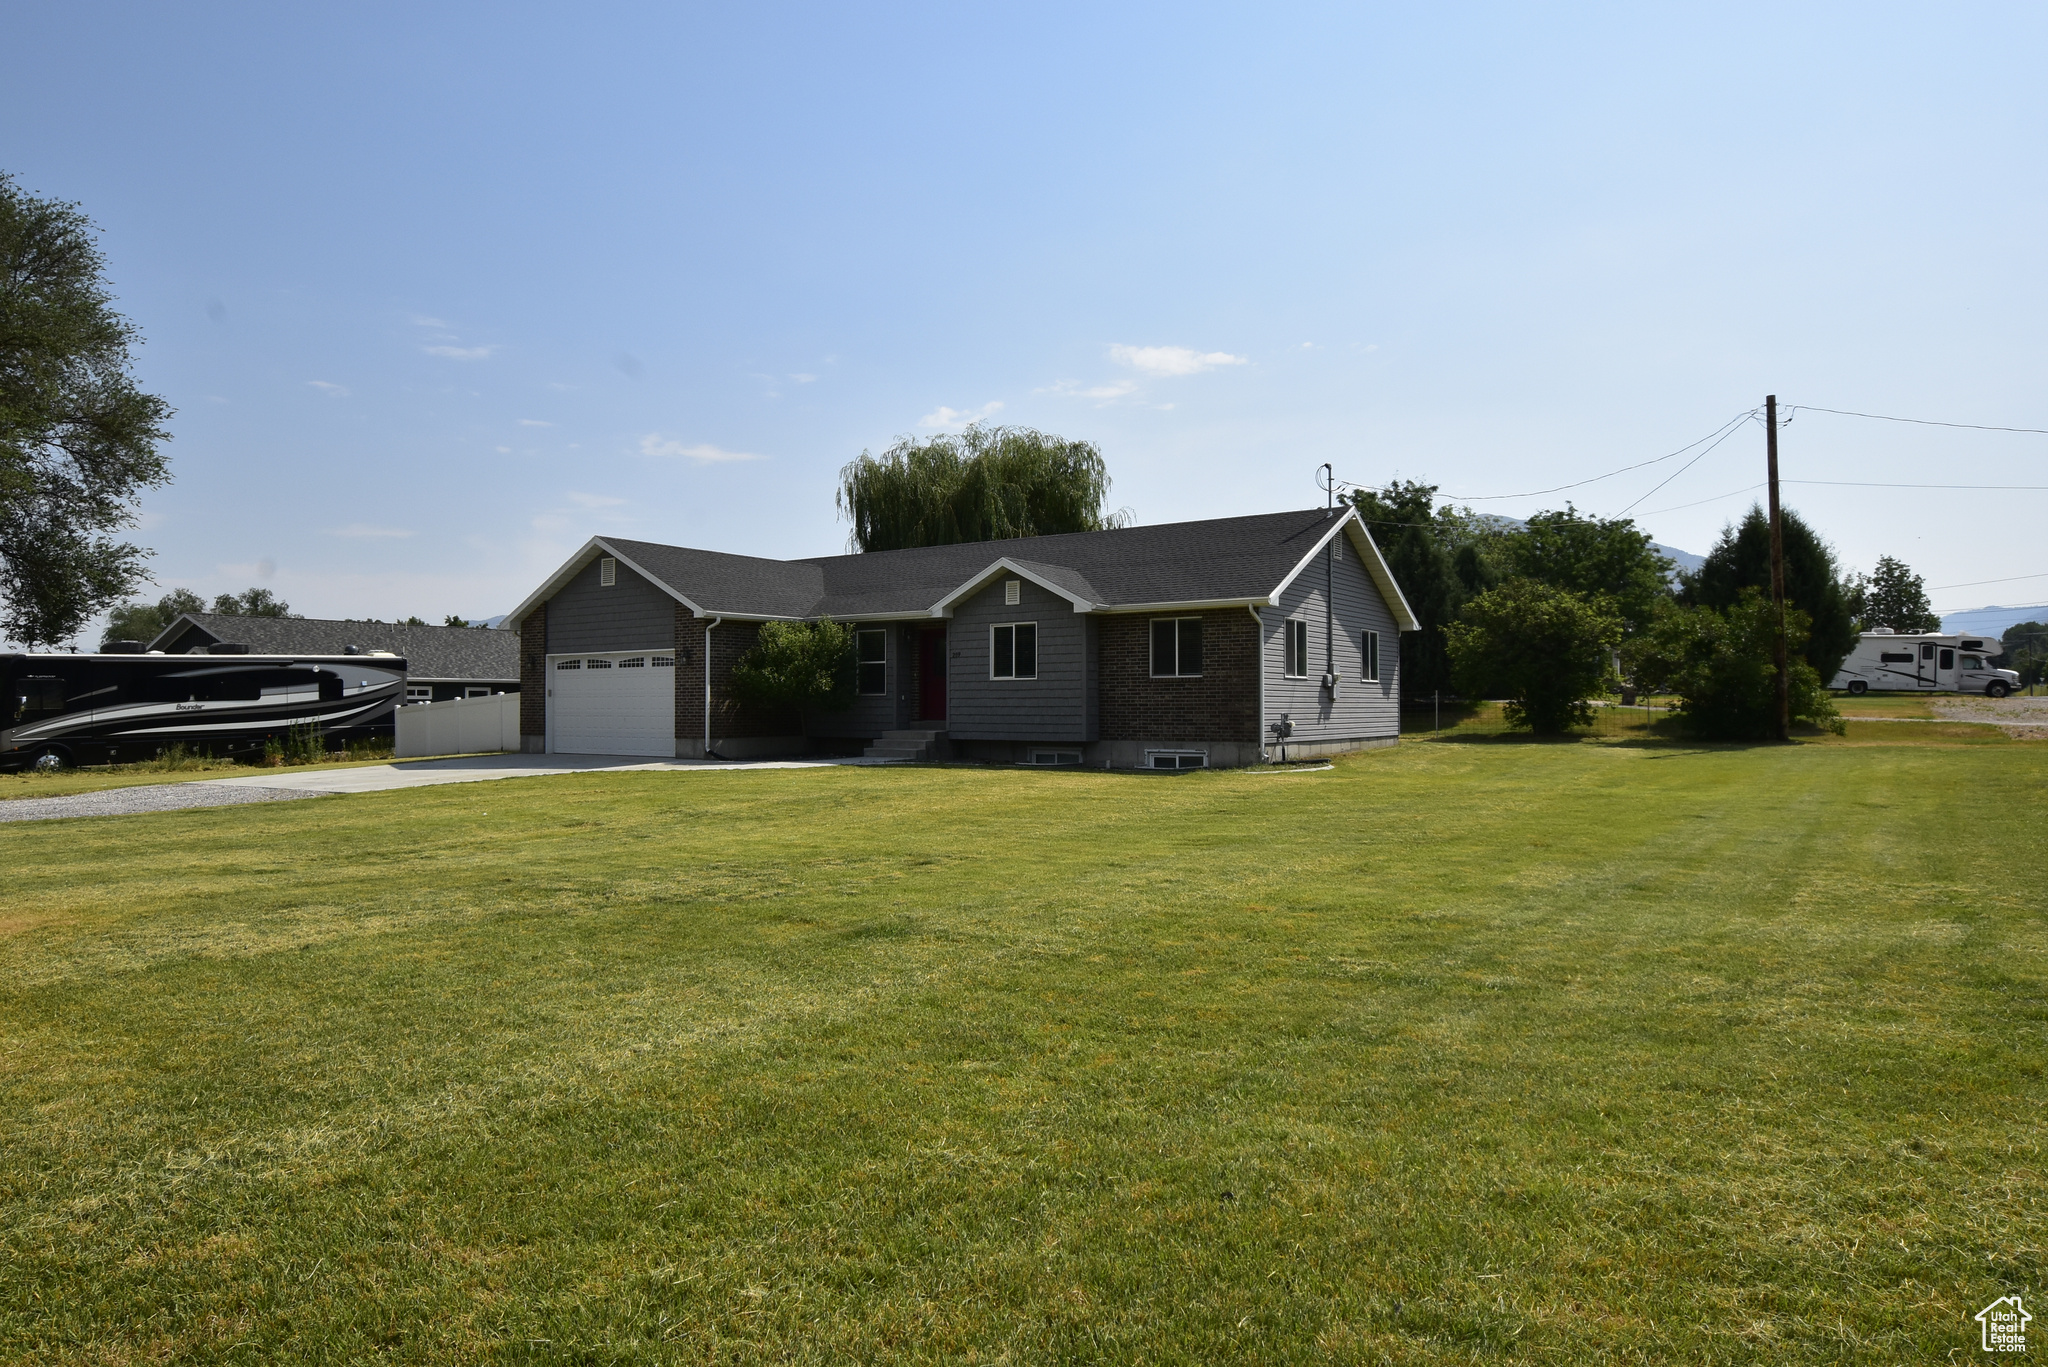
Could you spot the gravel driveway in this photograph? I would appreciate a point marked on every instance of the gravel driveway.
(154, 797)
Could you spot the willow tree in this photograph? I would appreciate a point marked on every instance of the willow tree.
(986, 484)
(78, 439)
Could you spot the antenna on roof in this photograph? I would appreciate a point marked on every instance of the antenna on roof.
(1328, 482)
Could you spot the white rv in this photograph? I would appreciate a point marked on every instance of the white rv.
(1925, 663)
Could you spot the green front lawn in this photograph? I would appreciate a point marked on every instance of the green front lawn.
(1557, 1052)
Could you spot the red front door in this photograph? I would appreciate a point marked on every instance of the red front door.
(931, 675)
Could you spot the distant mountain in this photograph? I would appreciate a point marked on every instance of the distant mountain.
(1685, 560)
(1993, 620)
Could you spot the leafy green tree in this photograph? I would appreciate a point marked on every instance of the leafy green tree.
(1893, 596)
(254, 603)
(1546, 650)
(146, 621)
(986, 484)
(1741, 559)
(78, 439)
(1592, 556)
(1723, 667)
(2026, 651)
(1438, 558)
(797, 664)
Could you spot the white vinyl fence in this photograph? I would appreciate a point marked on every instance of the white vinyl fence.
(460, 726)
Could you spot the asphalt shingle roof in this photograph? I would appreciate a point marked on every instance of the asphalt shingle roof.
(1175, 562)
(430, 652)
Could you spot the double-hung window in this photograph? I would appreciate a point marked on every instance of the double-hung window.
(1176, 647)
(1013, 650)
(1297, 648)
(871, 665)
(1370, 650)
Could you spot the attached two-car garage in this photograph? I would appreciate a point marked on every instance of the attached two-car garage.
(612, 704)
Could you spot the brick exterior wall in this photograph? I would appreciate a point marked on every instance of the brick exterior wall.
(689, 675)
(1220, 705)
(533, 674)
(728, 719)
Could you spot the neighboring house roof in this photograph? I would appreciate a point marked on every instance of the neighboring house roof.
(1220, 561)
(430, 652)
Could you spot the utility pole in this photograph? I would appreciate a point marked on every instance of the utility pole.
(1778, 569)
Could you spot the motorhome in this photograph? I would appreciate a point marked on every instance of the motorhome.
(1924, 662)
(99, 709)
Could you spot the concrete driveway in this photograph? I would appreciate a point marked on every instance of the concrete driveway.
(282, 786)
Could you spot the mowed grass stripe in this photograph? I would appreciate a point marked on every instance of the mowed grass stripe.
(1552, 1051)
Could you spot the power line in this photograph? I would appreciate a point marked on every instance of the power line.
(1716, 436)
(1919, 422)
(1726, 433)
(1979, 583)
(1748, 489)
(1865, 484)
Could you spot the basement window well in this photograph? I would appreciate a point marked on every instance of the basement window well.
(1176, 759)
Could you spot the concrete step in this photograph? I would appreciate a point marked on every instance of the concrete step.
(929, 735)
(906, 753)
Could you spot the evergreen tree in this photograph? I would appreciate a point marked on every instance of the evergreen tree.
(1741, 559)
(1436, 556)
(1893, 596)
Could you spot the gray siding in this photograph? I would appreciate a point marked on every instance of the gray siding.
(1361, 709)
(630, 615)
(1056, 706)
(869, 716)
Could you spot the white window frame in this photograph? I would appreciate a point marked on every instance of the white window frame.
(1369, 657)
(418, 693)
(1152, 647)
(1013, 676)
(1294, 653)
(1181, 760)
(476, 691)
(860, 665)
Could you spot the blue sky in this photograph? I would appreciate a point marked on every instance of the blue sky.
(441, 291)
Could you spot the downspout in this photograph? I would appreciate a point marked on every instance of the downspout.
(709, 753)
(1259, 659)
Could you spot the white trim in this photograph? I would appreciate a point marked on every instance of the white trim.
(1013, 676)
(944, 607)
(575, 564)
(1375, 565)
(1190, 605)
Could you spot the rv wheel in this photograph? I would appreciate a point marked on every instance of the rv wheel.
(1996, 688)
(1857, 688)
(52, 759)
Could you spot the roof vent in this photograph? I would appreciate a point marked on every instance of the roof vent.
(607, 572)
(227, 648)
(122, 647)
(1013, 593)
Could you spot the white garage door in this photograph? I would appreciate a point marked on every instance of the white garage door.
(622, 704)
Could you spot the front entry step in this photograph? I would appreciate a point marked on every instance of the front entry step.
(909, 747)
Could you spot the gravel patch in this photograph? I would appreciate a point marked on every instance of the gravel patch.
(154, 797)
(2023, 718)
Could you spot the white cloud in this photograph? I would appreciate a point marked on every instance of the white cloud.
(332, 391)
(420, 320)
(1166, 361)
(944, 417)
(502, 450)
(1074, 389)
(366, 531)
(655, 444)
(534, 422)
(803, 379)
(460, 353)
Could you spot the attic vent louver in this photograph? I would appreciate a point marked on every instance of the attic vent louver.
(607, 572)
(1013, 593)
